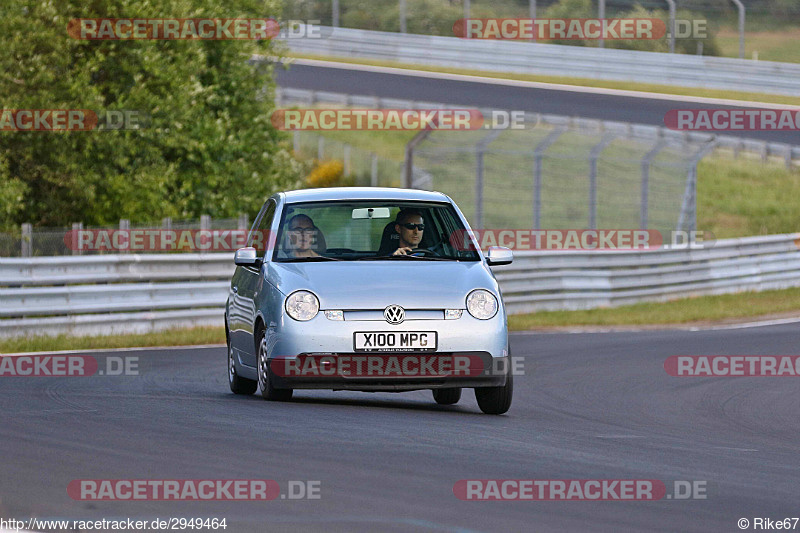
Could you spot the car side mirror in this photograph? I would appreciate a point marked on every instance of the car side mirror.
(499, 255)
(247, 257)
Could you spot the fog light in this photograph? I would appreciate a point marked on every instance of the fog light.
(334, 315)
(452, 314)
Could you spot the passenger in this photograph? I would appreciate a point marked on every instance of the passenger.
(303, 238)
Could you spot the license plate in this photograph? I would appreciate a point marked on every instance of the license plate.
(395, 341)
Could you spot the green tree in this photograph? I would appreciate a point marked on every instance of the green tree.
(208, 145)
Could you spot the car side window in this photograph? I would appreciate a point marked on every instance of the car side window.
(260, 235)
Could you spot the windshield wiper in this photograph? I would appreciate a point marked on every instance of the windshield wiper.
(308, 259)
(392, 257)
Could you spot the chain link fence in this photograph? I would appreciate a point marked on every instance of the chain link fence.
(563, 177)
(556, 172)
(544, 176)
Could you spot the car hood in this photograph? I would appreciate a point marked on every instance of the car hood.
(413, 284)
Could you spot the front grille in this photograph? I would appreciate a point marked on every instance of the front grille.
(376, 315)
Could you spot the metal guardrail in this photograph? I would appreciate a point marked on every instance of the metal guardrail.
(95, 295)
(109, 294)
(584, 280)
(74, 270)
(557, 60)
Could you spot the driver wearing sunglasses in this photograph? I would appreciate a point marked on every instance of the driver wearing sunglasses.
(409, 225)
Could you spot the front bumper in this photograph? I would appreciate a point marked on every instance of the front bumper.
(289, 338)
(484, 342)
(482, 370)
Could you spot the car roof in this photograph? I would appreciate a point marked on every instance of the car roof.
(362, 193)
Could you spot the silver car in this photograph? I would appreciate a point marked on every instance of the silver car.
(367, 289)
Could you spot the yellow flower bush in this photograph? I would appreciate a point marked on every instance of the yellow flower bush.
(326, 174)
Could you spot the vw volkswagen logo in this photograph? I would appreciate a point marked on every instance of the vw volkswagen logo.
(394, 314)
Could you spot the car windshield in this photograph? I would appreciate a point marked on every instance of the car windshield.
(372, 231)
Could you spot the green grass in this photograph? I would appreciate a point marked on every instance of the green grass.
(582, 82)
(775, 45)
(683, 311)
(738, 198)
(180, 337)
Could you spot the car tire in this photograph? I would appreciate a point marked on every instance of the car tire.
(495, 400)
(268, 390)
(239, 385)
(447, 396)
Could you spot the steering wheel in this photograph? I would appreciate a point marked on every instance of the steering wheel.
(423, 251)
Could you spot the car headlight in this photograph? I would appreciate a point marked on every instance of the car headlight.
(482, 304)
(302, 305)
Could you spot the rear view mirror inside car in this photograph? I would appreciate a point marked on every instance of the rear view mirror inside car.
(372, 212)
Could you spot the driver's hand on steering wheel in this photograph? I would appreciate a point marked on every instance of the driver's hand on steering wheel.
(405, 250)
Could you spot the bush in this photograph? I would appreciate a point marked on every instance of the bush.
(326, 174)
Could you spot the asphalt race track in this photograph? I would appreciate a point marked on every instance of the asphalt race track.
(590, 406)
(468, 93)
